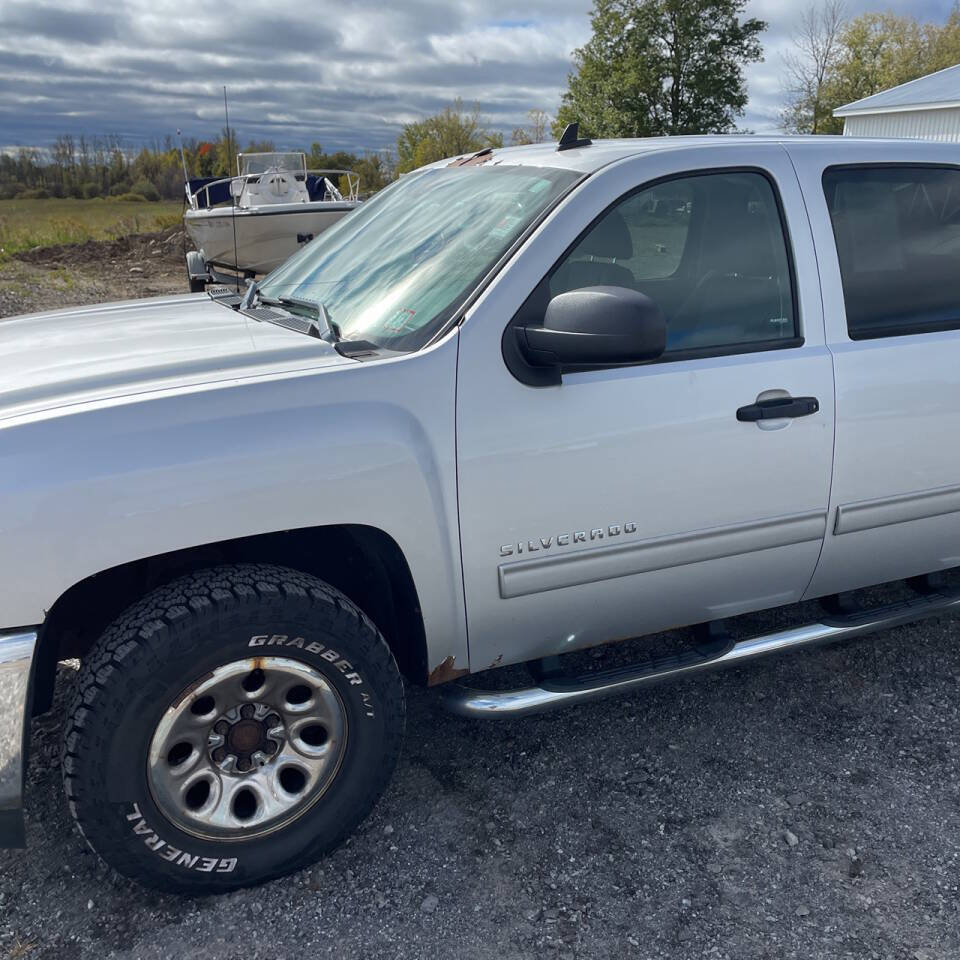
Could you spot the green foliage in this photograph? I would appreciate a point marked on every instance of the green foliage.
(145, 189)
(655, 67)
(446, 134)
(25, 224)
(104, 167)
(873, 52)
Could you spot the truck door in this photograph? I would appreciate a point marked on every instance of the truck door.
(886, 222)
(631, 499)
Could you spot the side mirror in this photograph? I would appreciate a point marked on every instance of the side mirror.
(595, 326)
(236, 187)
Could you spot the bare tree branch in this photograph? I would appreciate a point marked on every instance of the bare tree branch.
(816, 45)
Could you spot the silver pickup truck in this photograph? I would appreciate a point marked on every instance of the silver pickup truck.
(520, 403)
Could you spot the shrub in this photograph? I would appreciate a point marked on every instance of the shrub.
(146, 189)
(120, 188)
(39, 193)
(91, 190)
(133, 197)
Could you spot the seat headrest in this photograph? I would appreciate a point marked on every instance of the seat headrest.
(609, 239)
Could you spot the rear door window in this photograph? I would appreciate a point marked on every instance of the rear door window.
(897, 231)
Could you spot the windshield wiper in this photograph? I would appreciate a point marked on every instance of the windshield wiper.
(251, 294)
(322, 325)
(328, 329)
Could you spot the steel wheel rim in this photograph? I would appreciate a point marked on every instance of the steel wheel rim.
(247, 749)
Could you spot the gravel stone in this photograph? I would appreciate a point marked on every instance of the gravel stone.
(865, 731)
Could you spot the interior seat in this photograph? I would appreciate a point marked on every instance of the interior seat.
(736, 296)
(594, 262)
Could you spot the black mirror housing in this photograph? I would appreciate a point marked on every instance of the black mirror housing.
(595, 326)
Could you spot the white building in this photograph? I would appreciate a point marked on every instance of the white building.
(927, 108)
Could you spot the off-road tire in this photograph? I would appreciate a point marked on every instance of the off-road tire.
(169, 640)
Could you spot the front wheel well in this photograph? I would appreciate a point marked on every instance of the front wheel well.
(363, 562)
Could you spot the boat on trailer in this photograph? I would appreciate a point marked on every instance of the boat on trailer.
(249, 224)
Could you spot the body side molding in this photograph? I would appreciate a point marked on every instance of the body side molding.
(609, 562)
(884, 511)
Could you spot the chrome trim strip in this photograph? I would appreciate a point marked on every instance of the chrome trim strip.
(884, 511)
(16, 657)
(624, 559)
(496, 704)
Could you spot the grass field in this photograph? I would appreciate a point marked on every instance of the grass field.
(25, 224)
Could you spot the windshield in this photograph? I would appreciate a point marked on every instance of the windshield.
(398, 267)
(251, 163)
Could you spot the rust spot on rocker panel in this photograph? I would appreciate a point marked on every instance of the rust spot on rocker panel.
(444, 672)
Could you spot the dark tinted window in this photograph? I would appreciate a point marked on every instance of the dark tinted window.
(898, 238)
(708, 249)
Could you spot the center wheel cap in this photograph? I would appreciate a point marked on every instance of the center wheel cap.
(245, 736)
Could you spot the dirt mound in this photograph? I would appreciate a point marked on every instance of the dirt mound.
(167, 245)
(46, 278)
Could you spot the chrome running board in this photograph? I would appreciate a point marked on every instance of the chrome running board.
(559, 690)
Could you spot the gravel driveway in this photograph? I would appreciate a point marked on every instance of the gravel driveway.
(801, 807)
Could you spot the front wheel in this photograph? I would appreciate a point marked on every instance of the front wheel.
(231, 727)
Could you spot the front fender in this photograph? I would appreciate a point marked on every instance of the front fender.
(90, 487)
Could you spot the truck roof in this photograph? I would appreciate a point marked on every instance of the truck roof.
(602, 152)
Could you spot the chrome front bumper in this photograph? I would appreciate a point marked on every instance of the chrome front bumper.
(16, 659)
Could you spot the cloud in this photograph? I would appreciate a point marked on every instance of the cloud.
(347, 75)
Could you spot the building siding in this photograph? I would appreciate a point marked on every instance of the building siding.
(943, 124)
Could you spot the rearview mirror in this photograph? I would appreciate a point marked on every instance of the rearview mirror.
(595, 326)
(236, 187)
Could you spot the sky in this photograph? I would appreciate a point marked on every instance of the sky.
(346, 74)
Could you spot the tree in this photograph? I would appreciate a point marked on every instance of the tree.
(835, 62)
(536, 132)
(943, 43)
(655, 67)
(375, 171)
(810, 67)
(446, 134)
(879, 51)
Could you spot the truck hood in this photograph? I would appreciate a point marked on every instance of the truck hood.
(52, 360)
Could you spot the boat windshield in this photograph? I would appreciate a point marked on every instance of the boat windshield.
(253, 163)
(398, 267)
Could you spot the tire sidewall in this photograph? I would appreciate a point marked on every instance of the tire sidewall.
(144, 840)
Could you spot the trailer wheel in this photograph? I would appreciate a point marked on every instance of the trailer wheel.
(231, 727)
(197, 275)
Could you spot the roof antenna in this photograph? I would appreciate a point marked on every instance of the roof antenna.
(571, 138)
